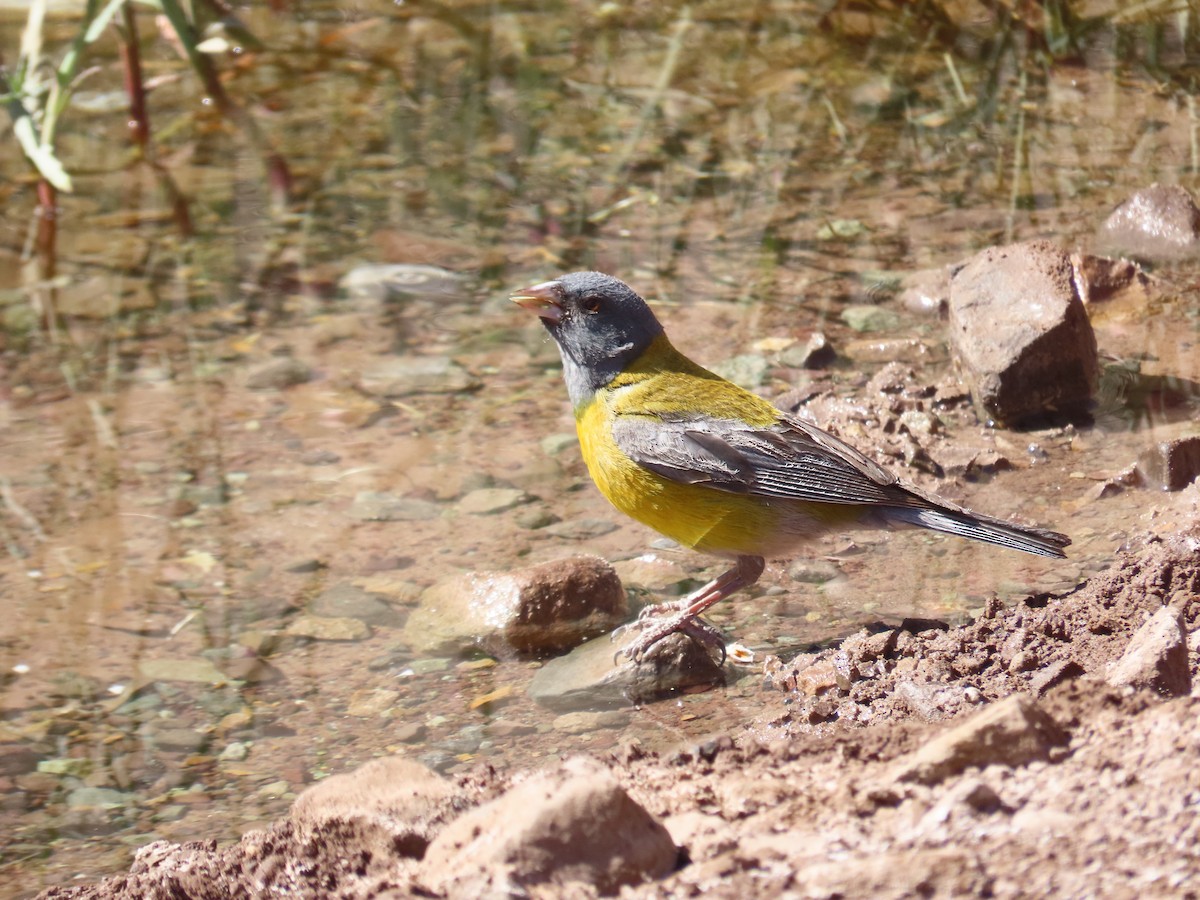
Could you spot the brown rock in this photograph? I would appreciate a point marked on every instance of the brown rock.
(1156, 657)
(1020, 333)
(543, 609)
(1011, 732)
(1160, 222)
(575, 824)
(394, 805)
(1170, 465)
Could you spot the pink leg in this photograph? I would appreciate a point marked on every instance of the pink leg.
(663, 619)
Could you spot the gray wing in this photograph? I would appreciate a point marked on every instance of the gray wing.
(789, 460)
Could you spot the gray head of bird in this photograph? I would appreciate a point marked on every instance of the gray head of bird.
(599, 323)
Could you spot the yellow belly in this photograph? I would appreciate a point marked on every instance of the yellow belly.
(703, 518)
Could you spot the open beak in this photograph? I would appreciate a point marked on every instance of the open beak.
(545, 299)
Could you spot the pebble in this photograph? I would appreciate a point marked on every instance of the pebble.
(1156, 656)
(345, 600)
(104, 798)
(197, 671)
(382, 506)
(234, 751)
(554, 444)
(490, 501)
(279, 374)
(748, 370)
(404, 376)
(399, 281)
(584, 722)
(324, 628)
(1159, 222)
(371, 703)
(864, 317)
(580, 529)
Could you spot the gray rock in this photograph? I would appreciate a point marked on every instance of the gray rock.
(1020, 333)
(382, 506)
(573, 825)
(279, 374)
(1170, 465)
(344, 600)
(580, 529)
(598, 676)
(1156, 657)
(542, 609)
(748, 370)
(1012, 732)
(402, 281)
(404, 376)
(91, 797)
(1160, 222)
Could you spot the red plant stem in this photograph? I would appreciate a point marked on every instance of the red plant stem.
(139, 121)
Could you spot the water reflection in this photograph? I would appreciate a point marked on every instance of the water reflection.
(175, 502)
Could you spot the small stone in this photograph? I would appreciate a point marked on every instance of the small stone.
(585, 722)
(405, 376)
(345, 600)
(279, 374)
(400, 281)
(748, 370)
(319, 458)
(815, 353)
(183, 740)
(235, 751)
(490, 501)
(580, 529)
(198, 671)
(304, 566)
(864, 317)
(1010, 732)
(382, 506)
(371, 703)
(554, 444)
(323, 628)
(97, 797)
(1054, 674)
(1156, 656)
(572, 825)
(74, 767)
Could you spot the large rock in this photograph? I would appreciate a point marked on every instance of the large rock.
(1010, 732)
(1171, 465)
(1156, 656)
(1160, 222)
(393, 805)
(546, 608)
(1021, 335)
(572, 825)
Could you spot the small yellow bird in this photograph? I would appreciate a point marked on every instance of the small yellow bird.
(715, 467)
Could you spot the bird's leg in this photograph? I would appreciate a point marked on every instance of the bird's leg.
(660, 620)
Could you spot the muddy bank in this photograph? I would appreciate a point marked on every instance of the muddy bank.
(1043, 748)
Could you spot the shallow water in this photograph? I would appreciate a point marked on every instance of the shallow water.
(754, 172)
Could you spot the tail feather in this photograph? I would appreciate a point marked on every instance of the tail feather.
(982, 528)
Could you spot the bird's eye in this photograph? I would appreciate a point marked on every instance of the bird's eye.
(591, 303)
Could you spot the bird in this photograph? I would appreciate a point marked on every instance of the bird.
(713, 466)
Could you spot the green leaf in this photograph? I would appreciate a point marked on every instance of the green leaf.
(40, 155)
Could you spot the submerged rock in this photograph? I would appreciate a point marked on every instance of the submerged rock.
(1170, 465)
(1020, 333)
(1160, 222)
(546, 608)
(598, 675)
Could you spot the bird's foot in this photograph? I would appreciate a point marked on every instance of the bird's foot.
(663, 620)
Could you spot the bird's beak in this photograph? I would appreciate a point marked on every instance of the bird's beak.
(545, 299)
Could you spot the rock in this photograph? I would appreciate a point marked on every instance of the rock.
(394, 805)
(926, 291)
(1053, 675)
(490, 501)
(327, 628)
(748, 370)
(575, 824)
(596, 675)
(1170, 465)
(1160, 222)
(404, 376)
(1010, 732)
(382, 506)
(104, 798)
(1156, 656)
(1020, 333)
(543, 609)
(198, 671)
(344, 600)
(279, 374)
(588, 722)
(864, 317)
(1099, 279)
(402, 281)
(815, 353)
(580, 529)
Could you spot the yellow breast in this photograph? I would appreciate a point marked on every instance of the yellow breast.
(661, 382)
